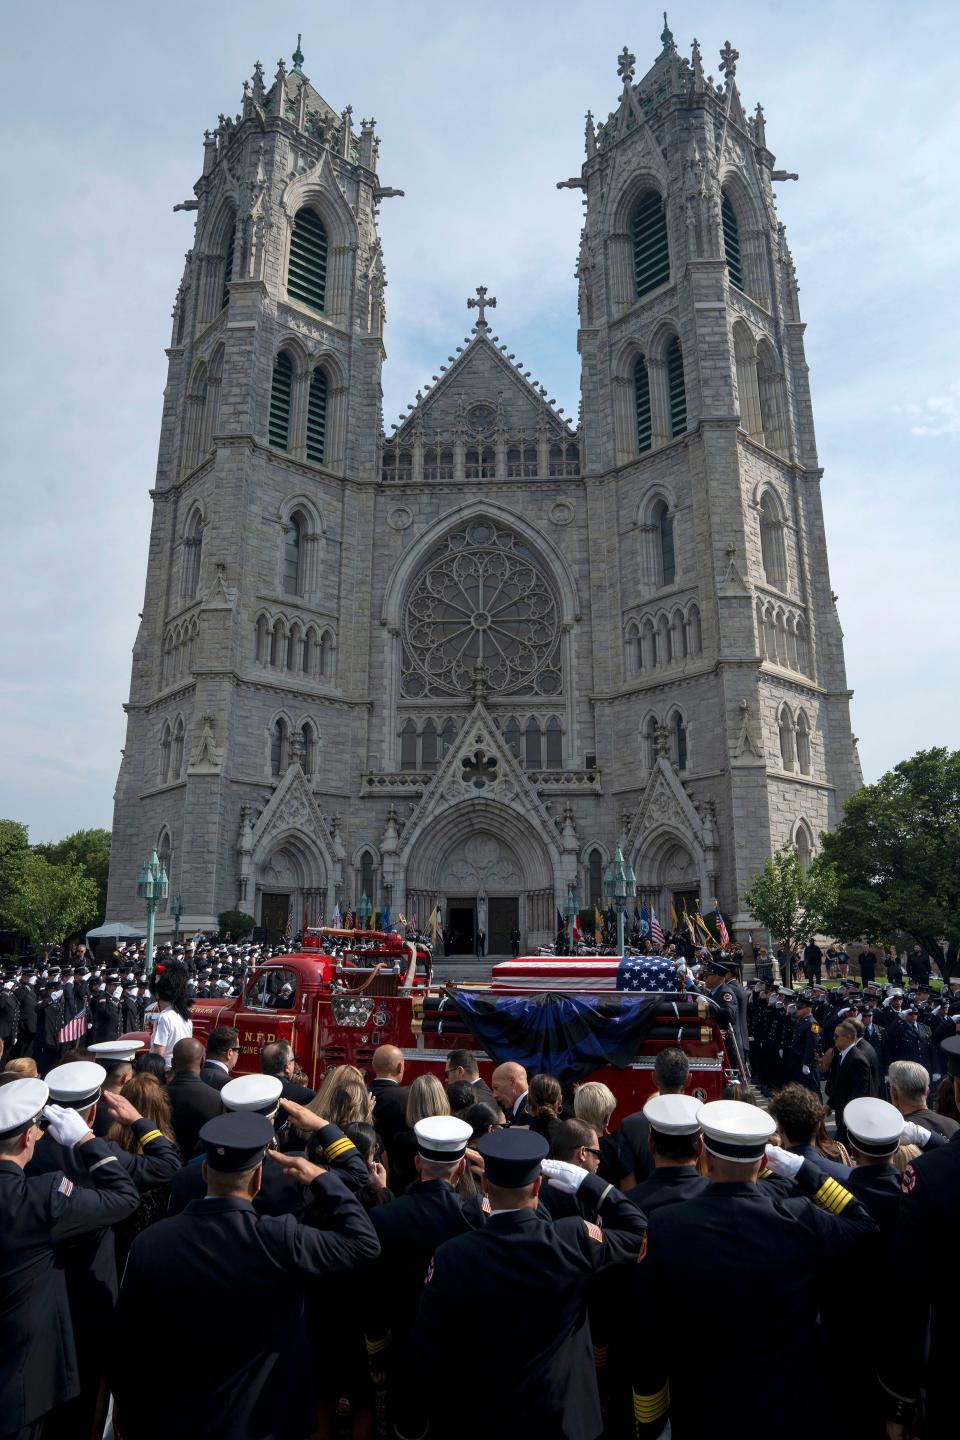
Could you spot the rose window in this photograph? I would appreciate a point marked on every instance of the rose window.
(481, 605)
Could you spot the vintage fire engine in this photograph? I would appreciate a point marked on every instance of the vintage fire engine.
(347, 992)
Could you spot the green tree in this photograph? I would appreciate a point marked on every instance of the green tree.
(897, 855)
(235, 924)
(791, 902)
(14, 849)
(89, 848)
(52, 902)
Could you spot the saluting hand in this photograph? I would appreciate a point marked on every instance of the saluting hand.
(120, 1107)
(302, 1116)
(297, 1165)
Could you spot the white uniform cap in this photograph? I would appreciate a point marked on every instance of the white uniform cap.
(115, 1049)
(442, 1138)
(252, 1092)
(76, 1085)
(733, 1130)
(874, 1126)
(674, 1114)
(21, 1102)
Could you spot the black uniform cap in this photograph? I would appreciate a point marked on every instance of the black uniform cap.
(236, 1141)
(511, 1158)
(951, 1048)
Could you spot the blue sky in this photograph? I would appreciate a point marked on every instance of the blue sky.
(480, 109)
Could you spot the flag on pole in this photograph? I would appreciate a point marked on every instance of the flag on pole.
(656, 930)
(306, 918)
(723, 933)
(348, 920)
(319, 920)
(73, 1030)
(435, 922)
(385, 918)
(288, 930)
(597, 927)
(644, 920)
(701, 924)
(412, 922)
(686, 922)
(674, 919)
(337, 920)
(577, 933)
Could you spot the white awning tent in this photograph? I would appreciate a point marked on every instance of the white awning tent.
(116, 931)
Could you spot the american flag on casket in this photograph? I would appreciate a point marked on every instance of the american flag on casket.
(647, 972)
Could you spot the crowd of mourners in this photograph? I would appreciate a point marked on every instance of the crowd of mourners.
(190, 1252)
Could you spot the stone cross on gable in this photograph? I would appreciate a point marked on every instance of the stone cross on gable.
(481, 303)
(728, 61)
(625, 65)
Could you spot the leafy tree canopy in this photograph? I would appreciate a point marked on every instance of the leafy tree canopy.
(14, 848)
(897, 855)
(235, 924)
(89, 848)
(51, 902)
(791, 902)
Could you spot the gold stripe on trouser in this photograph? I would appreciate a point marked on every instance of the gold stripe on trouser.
(647, 1408)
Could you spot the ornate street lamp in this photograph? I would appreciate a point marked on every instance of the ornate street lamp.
(152, 886)
(176, 910)
(571, 911)
(364, 910)
(619, 885)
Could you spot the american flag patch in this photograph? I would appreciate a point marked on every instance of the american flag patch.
(594, 1231)
(65, 1187)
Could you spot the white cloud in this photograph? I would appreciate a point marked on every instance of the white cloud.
(942, 412)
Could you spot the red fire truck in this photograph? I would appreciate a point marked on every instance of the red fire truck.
(347, 992)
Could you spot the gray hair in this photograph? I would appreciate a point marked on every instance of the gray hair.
(911, 1079)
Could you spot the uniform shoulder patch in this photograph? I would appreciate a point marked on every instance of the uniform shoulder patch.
(815, 1028)
(65, 1187)
(643, 1250)
(909, 1180)
(429, 1275)
(727, 997)
(594, 1231)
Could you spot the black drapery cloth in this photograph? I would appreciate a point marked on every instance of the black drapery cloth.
(568, 1036)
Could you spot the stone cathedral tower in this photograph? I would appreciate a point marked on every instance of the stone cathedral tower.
(465, 662)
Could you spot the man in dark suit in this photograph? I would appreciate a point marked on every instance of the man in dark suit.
(192, 1103)
(510, 1091)
(255, 1377)
(855, 1075)
(671, 1069)
(461, 1065)
(223, 1052)
(389, 1094)
(278, 1059)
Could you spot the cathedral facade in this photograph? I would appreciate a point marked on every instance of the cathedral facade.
(461, 663)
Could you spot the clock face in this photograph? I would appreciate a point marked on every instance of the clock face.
(481, 418)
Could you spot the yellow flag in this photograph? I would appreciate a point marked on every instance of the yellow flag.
(597, 927)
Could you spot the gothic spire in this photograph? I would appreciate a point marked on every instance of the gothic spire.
(298, 57)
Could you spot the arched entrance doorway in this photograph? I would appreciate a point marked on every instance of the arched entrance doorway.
(489, 871)
(667, 876)
(291, 885)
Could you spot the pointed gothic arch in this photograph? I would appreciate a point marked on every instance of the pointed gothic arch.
(192, 548)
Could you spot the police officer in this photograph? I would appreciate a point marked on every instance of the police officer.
(254, 1377)
(736, 1232)
(108, 1012)
(926, 1226)
(9, 1017)
(801, 1060)
(38, 1215)
(732, 1000)
(90, 1263)
(27, 1001)
(907, 1039)
(410, 1230)
(525, 1279)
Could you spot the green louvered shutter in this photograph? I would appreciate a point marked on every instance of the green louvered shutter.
(651, 254)
(731, 242)
(228, 264)
(280, 401)
(317, 416)
(307, 276)
(644, 423)
(676, 388)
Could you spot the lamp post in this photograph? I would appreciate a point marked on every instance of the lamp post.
(176, 910)
(364, 910)
(571, 911)
(152, 886)
(619, 884)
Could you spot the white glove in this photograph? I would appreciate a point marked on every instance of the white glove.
(782, 1162)
(913, 1134)
(66, 1126)
(565, 1176)
(806, 1069)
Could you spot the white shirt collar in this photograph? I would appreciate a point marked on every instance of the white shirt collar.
(208, 1061)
